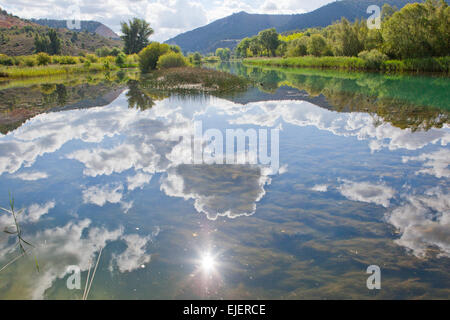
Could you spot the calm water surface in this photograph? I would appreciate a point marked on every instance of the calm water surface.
(97, 162)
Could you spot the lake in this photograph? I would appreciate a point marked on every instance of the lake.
(103, 167)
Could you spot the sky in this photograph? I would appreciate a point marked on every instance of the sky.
(167, 17)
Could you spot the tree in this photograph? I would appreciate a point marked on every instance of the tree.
(55, 42)
(135, 35)
(242, 47)
(317, 45)
(41, 43)
(197, 58)
(298, 47)
(255, 46)
(223, 54)
(418, 30)
(387, 11)
(49, 43)
(269, 40)
(350, 37)
(148, 57)
(175, 48)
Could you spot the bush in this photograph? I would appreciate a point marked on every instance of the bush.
(43, 59)
(171, 60)
(92, 57)
(5, 60)
(121, 59)
(115, 52)
(373, 58)
(29, 61)
(103, 52)
(148, 57)
(68, 60)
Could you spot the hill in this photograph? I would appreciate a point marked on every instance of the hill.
(17, 38)
(89, 26)
(228, 31)
(8, 20)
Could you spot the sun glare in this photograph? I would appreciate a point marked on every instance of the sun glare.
(207, 263)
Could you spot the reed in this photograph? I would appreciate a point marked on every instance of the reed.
(24, 245)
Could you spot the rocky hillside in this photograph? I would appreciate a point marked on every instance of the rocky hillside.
(17, 38)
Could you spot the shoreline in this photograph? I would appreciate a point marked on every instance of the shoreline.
(439, 65)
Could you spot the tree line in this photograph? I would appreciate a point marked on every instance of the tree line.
(418, 30)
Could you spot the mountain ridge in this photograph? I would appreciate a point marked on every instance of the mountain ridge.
(86, 25)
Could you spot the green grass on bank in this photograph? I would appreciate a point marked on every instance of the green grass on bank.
(42, 64)
(441, 64)
(23, 72)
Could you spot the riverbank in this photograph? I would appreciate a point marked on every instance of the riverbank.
(441, 64)
(7, 73)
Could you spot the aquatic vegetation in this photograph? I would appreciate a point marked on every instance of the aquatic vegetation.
(16, 230)
(194, 79)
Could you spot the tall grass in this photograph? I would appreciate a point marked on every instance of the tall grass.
(44, 65)
(441, 64)
(23, 72)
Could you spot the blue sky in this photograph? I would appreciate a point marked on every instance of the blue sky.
(167, 17)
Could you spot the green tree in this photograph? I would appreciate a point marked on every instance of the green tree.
(269, 40)
(387, 11)
(418, 30)
(223, 54)
(255, 46)
(298, 47)
(135, 35)
(350, 37)
(197, 58)
(49, 43)
(175, 48)
(241, 48)
(148, 57)
(55, 42)
(41, 43)
(317, 45)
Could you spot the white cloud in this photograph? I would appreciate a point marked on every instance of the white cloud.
(424, 222)
(138, 181)
(36, 211)
(379, 194)
(76, 243)
(320, 188)
(436, 163)
(359, 125)
(218, 190)
(31, 214)
(283, 7)
(167, 17)
(99, 195)
(134, 255)
(32, 176)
